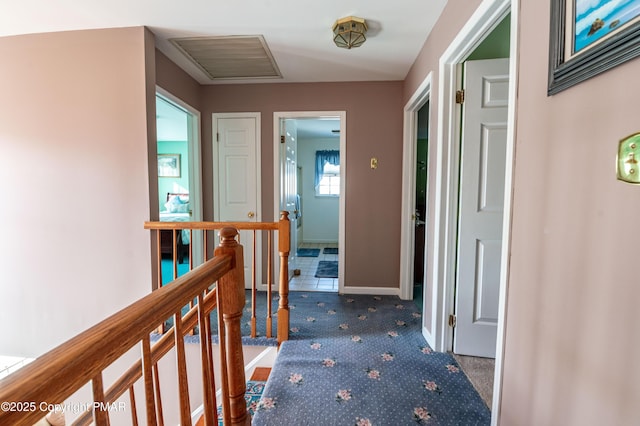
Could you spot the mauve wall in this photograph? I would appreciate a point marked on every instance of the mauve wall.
(572, 323)
(75, 185)
(177, 82)
(374, 129)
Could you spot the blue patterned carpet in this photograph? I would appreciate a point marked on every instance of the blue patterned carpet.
(362, 360)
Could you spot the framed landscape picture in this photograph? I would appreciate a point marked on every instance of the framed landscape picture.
(589, 37)
(168, 165)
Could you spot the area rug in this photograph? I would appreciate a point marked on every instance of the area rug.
(308, 252)
(362, 360)
(327, 269)
(330, 250)
(251, 396)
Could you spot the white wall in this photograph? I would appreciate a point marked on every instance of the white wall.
(319, 214)
(75, 183)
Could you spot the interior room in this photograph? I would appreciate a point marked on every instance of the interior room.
(87, 176)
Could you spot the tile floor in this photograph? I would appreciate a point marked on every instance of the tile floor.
(307, 281)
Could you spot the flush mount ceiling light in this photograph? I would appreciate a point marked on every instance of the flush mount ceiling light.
(349, 32)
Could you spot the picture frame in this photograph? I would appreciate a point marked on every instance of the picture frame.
(169, 165)
(598, 46)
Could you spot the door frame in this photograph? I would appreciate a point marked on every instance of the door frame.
(195, 167)
(216, 184)
(342, 115)
(407, 231)
(442, 257)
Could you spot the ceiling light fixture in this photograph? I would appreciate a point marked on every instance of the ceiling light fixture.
(349, 32)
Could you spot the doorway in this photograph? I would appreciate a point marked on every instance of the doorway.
(442, 205)
(421, 161)
(309, 177)
(179, 173)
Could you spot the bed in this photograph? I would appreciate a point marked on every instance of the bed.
(176, 209)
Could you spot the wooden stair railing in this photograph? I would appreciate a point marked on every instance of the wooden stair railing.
(282, 227)
(57, 375)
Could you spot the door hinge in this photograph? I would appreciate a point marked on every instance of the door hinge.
(459, 96)
(217, 137)
(452, 320)
(282, 139)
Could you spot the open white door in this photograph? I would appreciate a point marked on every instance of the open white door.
(237, 162)
(482, 180)
(289, 193)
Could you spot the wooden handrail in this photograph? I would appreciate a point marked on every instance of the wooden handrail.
(158, 350)
(58, 374)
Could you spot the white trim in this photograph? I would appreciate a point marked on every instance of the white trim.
(484, 19)
(258, 184)
(195, 167)
(407, 231)
(508, 211)
(342, 115)
(382, 291)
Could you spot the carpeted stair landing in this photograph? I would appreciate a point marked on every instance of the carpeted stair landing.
(362, 360)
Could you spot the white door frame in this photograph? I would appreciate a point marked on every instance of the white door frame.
(195, 168)
(216, 184)
(342, 115)
(442, 275)
(407, 231)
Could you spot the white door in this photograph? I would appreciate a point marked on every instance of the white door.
(289, 178)
(482, 178)
(237, 179)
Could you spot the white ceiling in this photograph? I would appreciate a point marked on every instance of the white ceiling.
(297, 32)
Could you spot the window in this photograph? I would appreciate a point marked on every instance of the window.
(327, 182)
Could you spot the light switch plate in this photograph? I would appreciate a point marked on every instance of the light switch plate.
(628, 159)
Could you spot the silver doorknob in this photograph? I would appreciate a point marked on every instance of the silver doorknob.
(251, 214)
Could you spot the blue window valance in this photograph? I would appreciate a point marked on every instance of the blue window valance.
(323, 157)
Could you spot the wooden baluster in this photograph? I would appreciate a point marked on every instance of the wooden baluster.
(134, 411)
(190, 248)
(183, 385)
(191, 303)
(208, 383)
(175, 253)
(284, 242)
(156, 381)
(159, 257)
(232, 297)
(269, 284)
(148, 381)
(205, 254)
(224, 373)
(254, 290)
(161, 328)
(100, 414)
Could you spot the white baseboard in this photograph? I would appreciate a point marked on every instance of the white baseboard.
(381, 291)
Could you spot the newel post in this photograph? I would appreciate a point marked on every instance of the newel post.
(231, 299)
(284, 246)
